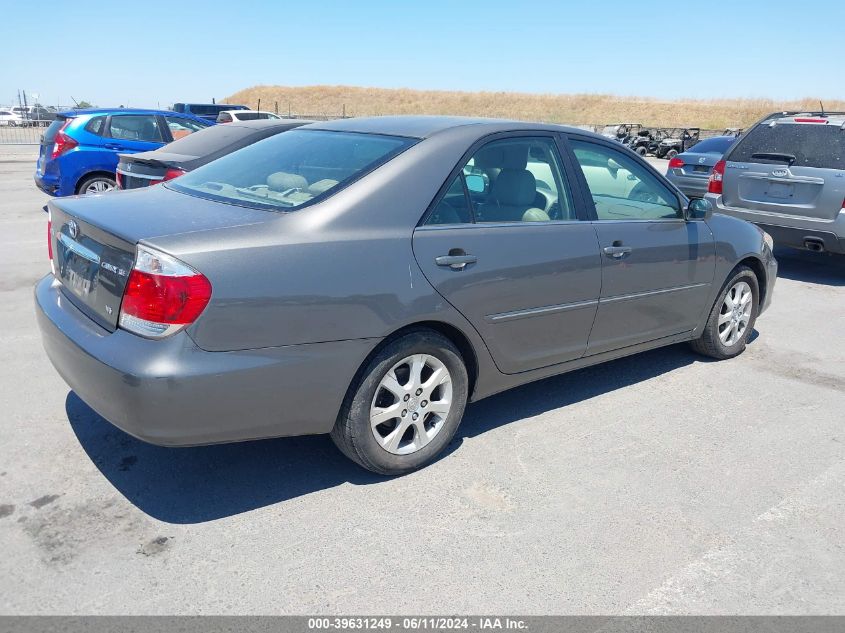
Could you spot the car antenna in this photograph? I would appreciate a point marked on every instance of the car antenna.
(822, 106)
(75, 102)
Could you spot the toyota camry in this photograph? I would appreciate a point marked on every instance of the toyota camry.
(368, 277)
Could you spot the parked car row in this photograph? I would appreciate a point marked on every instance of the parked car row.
(27, 116)
(79, 151)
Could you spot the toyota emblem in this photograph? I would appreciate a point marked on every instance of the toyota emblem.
(73, 229)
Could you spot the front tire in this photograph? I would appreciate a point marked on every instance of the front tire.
(405, 405)
(732, 317)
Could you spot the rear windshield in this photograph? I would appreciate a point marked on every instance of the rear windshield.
(208, 140)
(290, 170)
(795, 144)
(55, 126)
(713, 145)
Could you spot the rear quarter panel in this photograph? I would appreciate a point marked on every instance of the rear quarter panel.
(338, 270)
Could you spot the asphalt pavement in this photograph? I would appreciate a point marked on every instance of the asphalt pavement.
(660, 483)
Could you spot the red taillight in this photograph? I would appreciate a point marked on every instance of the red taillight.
(50, 238)
(62, 143)
(808, 120)
(172, 173)
(118, 178)
(714, 185)
(162, 295)
(676, 163)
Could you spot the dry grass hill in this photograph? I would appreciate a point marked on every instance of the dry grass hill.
(576, 109)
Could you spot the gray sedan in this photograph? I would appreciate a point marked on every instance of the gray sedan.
(367, 278)
(690, 171)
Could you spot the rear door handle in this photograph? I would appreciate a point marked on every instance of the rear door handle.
(617, 252)
(456, 262)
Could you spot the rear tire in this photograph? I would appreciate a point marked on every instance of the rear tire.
(395, 419)
(671, 154)
(95, 185)
(642, 150)
(732, 317)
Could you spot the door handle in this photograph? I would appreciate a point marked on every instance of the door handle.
(455, 262)
(114, 146)
(617, 252)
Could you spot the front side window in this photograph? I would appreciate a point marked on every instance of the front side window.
(621, 188)
(180, 128)
(289, 170)
(135, 127)
(509, 180)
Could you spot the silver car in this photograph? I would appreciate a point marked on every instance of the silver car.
(369, 277)
(690, 171)
(787, 175)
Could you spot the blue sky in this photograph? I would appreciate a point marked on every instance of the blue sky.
(148, 52)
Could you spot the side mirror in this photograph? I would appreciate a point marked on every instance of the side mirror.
(475, 183)
(699, 209)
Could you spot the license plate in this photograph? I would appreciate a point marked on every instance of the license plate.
(78, 274)
(780, 190)
(701, 169)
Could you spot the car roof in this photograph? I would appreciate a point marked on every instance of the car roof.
(423, 126)
(71, 113)
(260, 124)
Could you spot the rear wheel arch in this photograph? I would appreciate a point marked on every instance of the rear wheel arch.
(759, 271)
(455, 335)
(92, 174)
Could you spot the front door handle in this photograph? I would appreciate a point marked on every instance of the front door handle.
(617, 252)
(455, 262)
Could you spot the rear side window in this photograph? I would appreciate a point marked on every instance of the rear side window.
(249, 116)
(96, 125)
(794, 144)
(135, 127)
(224, 117)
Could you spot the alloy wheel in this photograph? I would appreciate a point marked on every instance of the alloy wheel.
(411, 404)
(735, 314)
(98, 186)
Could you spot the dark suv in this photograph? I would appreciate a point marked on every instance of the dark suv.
(787, 174)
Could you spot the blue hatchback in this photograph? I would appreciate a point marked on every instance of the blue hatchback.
(79, 151)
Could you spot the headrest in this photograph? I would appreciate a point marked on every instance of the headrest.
(515, 187)
(535, 215)
(282, 181)
(321, 186)
(502, 156)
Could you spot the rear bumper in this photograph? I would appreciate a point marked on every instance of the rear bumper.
(50, 186)
(171, 393)
(790, 230)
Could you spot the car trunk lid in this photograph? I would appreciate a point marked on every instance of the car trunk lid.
(797, 191)
(45, 146)
(699, 165)
(94, 239)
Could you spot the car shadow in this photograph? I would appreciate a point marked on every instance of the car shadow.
(198, 484)
(817, 268)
